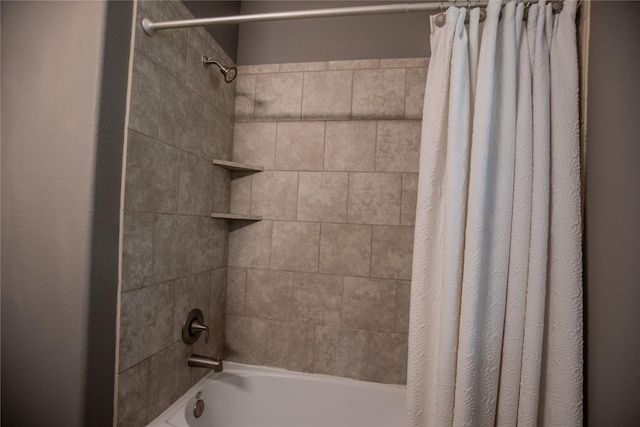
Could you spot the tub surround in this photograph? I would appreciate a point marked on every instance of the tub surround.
(321, 284)
(174, 253)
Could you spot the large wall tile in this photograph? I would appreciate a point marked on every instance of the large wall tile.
(387, 358)
(168, 47)
(245, 97)
(144, 105)
(195, 189)
(403, 295)
(300, 146)
(341, 352)
(369, 304)
(345, 249)
(403, 62)
(391, 252)
(132, 395)
(190, 292)
(374, 198)
(323, 196)
(355, 64)
(255, 144)
(137, 242)
(378, 94)
(303, 66)
(274, 194)
(269, 294)
(146, 323)
(317, 299)
(245, 339)
(221, 190)
(169, 378)
(327, 95)
(295, 246)
(209, 244)
(173, 246)
(236, 290)
(290, 346)
(350, 146)
(398, 146)
(414, 100)
(278, 96)
(409, 198)
(151, 183)
(240, 193)
(214, 317)
(250, 244)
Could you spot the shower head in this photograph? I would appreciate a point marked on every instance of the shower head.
(229, 73)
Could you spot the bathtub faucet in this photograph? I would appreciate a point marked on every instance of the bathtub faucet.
(197, 361)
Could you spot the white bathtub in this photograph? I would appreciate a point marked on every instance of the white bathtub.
(251, 396)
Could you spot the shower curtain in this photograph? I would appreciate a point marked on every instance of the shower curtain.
(495, 333)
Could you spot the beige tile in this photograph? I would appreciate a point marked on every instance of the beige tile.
(317, 299)
(391, 252)
(144, 108)
(323, 196)
(369, 304)
(240, 193)
(221, 190)
(354, 64)
(374, 198)
(295, 246)
(327, 95)
(278, 96)
(290, 346)
(258, 69)
(345, 249)
(274, 194)
(169, 378)
(269, 294)
(414, 99)
(250, 244)
(378, 94)
(341, 352)
(245, 339)
(300, 146)
(133, 387)
(255, 144)
(190, 292)
(245, 97)
(146, 327)
(303, 66)
(215, 316)
(350, 146)
(236, 290)
(195, 188)
(387, 358)
(174, 243)
(404, 62)
(137, 241)
(403, 296)
(409, 198)
(398, 146)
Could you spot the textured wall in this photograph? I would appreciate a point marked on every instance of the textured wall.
(321, 284)
(174, 254)
(612, 229)
(62, 138)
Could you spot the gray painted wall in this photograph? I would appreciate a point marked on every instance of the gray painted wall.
(612, 270)
(404, 35)
(62, 136)
(225, 35)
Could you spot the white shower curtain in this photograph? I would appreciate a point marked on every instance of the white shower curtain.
(495, 333)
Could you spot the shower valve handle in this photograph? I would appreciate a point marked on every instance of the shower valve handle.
(193, 326)
(197, 327)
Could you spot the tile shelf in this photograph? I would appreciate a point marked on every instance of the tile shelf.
(236, 167)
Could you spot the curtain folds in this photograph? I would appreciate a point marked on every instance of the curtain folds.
(495, 333)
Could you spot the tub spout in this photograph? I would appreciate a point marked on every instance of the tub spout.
(197, 361)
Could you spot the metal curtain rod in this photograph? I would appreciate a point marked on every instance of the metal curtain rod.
(150, 27)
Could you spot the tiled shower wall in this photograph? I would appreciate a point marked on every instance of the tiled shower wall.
(174, 254)
(321, 284)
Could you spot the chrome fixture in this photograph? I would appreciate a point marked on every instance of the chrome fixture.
(229, 73)
(193, 326)
(197, 361)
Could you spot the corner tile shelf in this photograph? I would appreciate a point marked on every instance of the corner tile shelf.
(244, 217)
(236, 167)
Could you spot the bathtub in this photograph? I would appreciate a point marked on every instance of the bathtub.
(252, 396)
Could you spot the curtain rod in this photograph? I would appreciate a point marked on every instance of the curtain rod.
(150, 27)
